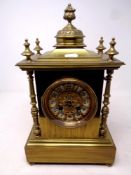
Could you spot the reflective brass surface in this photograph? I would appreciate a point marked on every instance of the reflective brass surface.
(37, 47)
(49, 130)
(112, 51)
(91, 151)
(69, 36)
(27, 52)
(34, 109)
(105, 108)
(101, 47)
(69, 58)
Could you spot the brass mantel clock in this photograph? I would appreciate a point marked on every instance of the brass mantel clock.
(69, 123)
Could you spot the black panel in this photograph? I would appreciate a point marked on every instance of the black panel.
(93, 77)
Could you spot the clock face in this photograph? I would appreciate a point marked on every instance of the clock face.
(69, 102)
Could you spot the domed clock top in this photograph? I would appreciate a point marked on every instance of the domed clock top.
(70, 44)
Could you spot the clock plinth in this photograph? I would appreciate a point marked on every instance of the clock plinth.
(66, 88)
(87, 151)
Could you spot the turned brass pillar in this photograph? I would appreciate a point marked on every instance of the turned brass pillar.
(105, 108)
(34, 109)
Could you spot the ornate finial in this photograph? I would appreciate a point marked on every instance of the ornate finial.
(101, 47)
(69, 13)
(37, 48)
(69, 36)
(27, 52)
(112, 51)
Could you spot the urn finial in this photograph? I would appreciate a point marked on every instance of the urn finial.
(101, 47)
(69, 14)
(37, 47)
(112, 51)
(27, 52)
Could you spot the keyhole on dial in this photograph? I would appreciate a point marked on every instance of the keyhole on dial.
(78, 108)
(69, 103)
(60, 108)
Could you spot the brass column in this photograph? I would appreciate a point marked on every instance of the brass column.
(34, 109)
(105, 108)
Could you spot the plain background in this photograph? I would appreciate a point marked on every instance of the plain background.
(41, 18)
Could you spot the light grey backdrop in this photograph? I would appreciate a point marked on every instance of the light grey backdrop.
(43, 18)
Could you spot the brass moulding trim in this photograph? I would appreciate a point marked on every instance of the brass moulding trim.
(72, 142)
(71, 64)
(96, 142)
(70, 58)
(63, 142)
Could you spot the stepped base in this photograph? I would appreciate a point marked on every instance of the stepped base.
(89, 151)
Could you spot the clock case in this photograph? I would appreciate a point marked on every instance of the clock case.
(92, 142)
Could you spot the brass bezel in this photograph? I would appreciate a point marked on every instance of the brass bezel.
(91, 113)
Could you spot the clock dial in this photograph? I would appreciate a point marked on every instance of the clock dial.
(69, 102)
